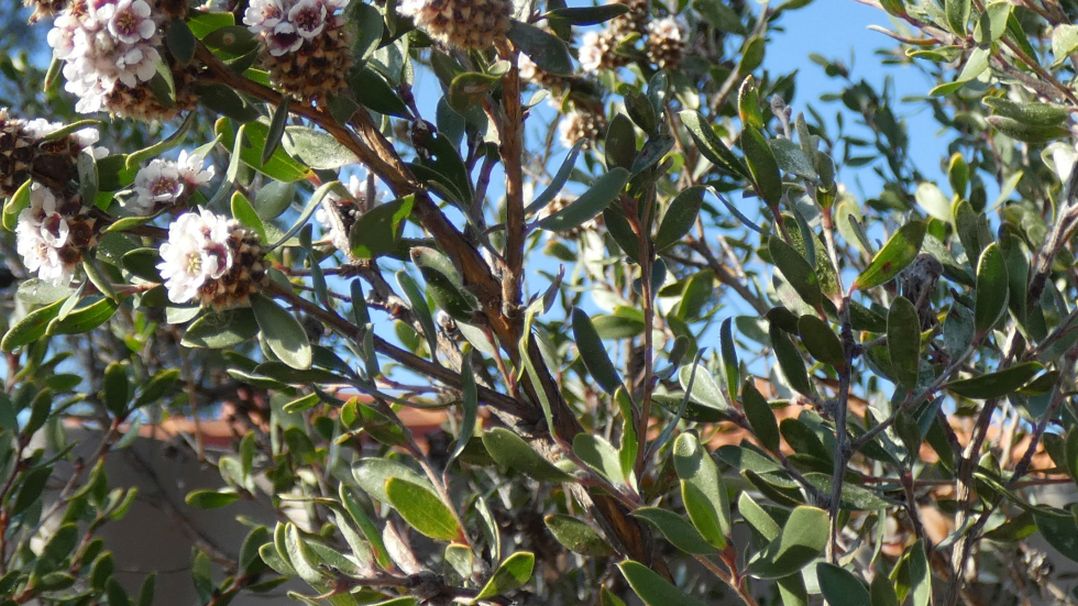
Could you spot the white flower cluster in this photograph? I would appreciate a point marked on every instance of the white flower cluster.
(168, 183)
(50, 236)
(104, 44)
(197, 251)
(284, 25)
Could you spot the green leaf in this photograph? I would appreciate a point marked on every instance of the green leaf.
(996, 384)
(577, 535)
(882, 592)
(280, 165)
(221, 329)
(705, 391)
(283, 333)
(469, 404)
(914, 576)
(509, 449)
(652, 588)
(158, 385)
(840, 587)
(796, 270)
(680, 217)
(275, 134)
(1060, 532)
(83, 319)
(1064, 40)
(468, 90)
(316, 149)
(589, 15)
(710, 145)
(676, 529)
(605, 190)
(372, 90)
(957, 12)
(760, 416)
(904, 341)
(702, 490)
(899, 251)
(15, 205)
(762, 165)
(31, 327)
(729, 356)
(821, 341)
(620, 142)
(244, 212)
(378, 231)
(992, 289)
(117, 390)
(543, 48)
(931, 199)
(789, 359)
(512, 574)
(593, 352)
(211, 499)
(802, 540)
(422, 509)
(600, 456)
(420, 309)
(557, 182)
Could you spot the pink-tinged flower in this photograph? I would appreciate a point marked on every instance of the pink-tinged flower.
(139, 64)
(128, 20)
(41, 231)
(284, 39)
(263, 15)
(308, 17)
(197, 250)
(158, 183)
(193, 169)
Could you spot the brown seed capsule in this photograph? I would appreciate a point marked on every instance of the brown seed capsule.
(317, 69)
(465, 24)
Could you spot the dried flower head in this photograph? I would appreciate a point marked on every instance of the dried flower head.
(597, 51)
(465, 24)
(26, 152)
(580, 124)
(665, 43)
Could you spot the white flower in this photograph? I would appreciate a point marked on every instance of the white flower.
(128, 20)
(197, 250)
(41, 231)
(139, 64)
(263, 15)
(159, 182)
(591, 51)
(665, 29)
(193, 169)
(308, 17)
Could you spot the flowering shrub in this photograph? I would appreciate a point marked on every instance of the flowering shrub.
(670, 356)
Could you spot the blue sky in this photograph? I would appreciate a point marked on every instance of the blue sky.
(838, 30)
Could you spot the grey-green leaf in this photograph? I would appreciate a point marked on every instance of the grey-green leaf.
(283, 333)
(593, 352)
(992, 289)
(899, 251)
(904, 341)
(592, 202)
